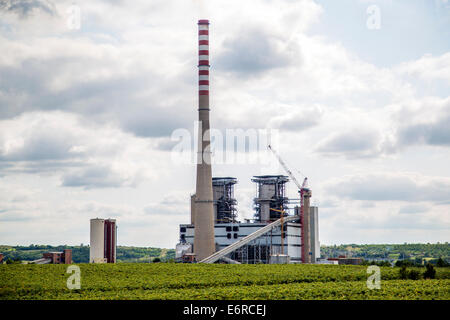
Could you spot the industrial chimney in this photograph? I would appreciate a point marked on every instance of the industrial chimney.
(204, 244)
(306, 227)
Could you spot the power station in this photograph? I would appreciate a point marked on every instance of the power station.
(214, 233)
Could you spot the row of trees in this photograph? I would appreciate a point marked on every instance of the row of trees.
(429, 273)
(419, 263)
(80, 254)
(386, 251)
(376, 263)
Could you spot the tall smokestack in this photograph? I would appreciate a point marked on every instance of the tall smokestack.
(204, 244)
(306, 227)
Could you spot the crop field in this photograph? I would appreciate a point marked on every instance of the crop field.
(216, 281)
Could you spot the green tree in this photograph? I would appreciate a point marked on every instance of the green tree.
(441, 263)
(403, 273)
(414, 275)
(429, 273)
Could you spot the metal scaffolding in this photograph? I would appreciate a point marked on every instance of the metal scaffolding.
(270, 200)
(223, 199)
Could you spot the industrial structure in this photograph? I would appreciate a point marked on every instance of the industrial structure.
(64, 257)
(270, 198)
(203, 200)
(224, 203)
(103, 241)
(215, 234)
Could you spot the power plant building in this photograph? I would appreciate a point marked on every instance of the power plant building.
(214, 232)
(103, 241)
(270, 195)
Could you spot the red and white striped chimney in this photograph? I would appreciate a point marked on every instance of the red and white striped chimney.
(203, 57)
(204, 244)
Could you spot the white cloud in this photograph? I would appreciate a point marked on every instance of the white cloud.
(428, 68)
(85, 118)
(414, 208)
(424, 122)
(359, 142)
(411, 187)
(84, 153)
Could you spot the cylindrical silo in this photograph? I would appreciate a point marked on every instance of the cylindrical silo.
(110, 243)
(97, 241)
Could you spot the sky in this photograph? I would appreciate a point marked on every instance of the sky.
(93, 95)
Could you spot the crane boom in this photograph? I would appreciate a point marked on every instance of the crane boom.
(286, 168)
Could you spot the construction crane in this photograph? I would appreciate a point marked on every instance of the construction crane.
(303, 190)
(291, 175)
(304, 185)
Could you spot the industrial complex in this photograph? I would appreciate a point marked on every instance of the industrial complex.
(282, 230)
(215, 234)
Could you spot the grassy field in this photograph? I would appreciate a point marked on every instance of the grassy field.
(195, 281)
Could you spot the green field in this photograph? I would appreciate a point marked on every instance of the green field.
(216, 281)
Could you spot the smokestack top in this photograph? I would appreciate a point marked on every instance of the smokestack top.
(203, 59)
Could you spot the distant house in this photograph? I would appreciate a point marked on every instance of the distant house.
(64, 257)
(1, 257)
(325, 261)
(346, 260)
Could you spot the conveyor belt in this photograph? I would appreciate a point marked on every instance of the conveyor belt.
(258, 233)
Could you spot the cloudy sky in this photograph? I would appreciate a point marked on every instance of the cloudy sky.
(357, 91)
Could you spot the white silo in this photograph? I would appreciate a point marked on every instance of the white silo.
(314, 232)
(97, 244)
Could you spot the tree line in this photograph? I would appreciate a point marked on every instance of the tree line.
(80, 254)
